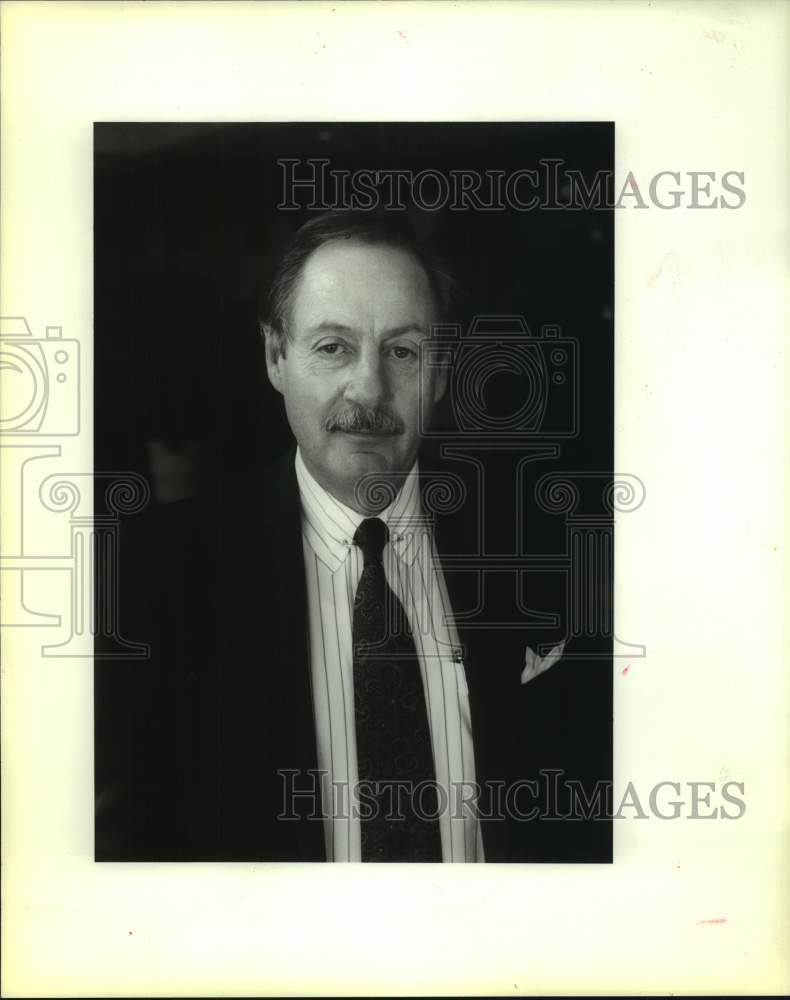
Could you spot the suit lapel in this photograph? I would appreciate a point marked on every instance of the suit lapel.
(293, 741)
(287, 737)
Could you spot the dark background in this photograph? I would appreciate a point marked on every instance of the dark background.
(186, 234)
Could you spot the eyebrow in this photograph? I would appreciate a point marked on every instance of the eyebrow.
(328, 326)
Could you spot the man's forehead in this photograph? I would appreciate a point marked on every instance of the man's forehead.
(354, 284)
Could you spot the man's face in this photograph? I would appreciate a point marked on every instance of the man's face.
(351, 374)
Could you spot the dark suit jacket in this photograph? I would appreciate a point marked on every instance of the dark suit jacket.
(189, 742)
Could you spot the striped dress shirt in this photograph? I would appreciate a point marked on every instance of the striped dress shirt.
(333, 566)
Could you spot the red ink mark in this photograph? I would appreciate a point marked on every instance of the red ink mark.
(405, 39)
(625, 670)
(717, 920)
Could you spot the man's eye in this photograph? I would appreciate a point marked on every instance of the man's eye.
(330, 349)
(403, 353)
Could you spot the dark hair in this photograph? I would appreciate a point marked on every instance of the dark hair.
(385, 229)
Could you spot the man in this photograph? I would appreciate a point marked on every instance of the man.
(317, 689)
(352, 305)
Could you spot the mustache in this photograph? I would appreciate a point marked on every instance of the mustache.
(358, 419)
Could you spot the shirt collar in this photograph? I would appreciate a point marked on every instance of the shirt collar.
(330, 525)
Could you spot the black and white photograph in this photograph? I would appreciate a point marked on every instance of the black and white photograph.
(365, 373)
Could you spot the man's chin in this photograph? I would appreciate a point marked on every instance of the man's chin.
(367, 455)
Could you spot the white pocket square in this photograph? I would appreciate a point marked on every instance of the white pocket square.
(535, 665)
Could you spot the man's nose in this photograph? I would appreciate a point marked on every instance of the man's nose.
(367, 384)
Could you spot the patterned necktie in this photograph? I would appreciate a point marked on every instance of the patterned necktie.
(393, 740)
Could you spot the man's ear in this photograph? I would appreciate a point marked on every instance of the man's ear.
(274, 357)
